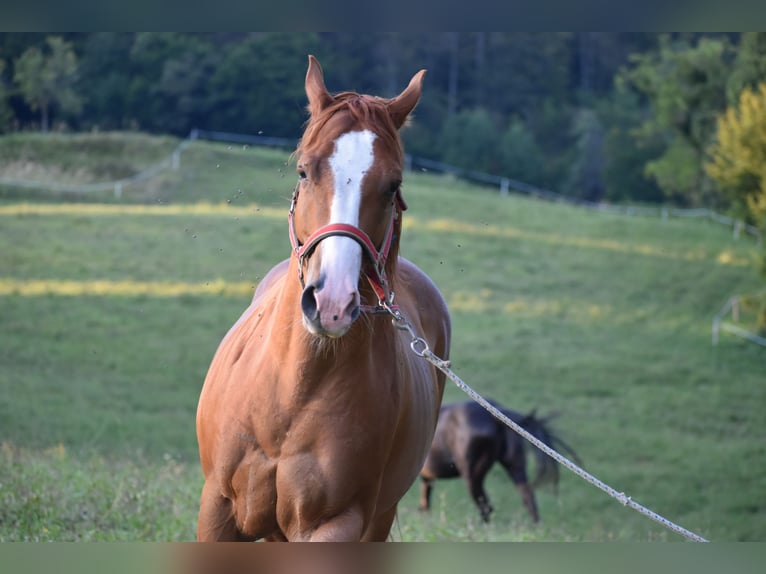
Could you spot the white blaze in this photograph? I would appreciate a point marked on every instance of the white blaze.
(353, 156)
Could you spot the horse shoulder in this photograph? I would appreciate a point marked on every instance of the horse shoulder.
(232, 360)
(427, 303)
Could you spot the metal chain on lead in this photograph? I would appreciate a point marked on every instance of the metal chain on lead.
(420, 347)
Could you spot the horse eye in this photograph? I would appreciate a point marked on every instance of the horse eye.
(395, 185)
(302, 174)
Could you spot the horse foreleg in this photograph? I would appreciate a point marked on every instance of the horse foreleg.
(216, 519)
(345, 527)
(478, 461)
(380, 529)
(426, 486)
(476, 487)
(528, 498)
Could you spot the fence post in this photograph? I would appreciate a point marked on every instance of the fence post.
(720, 315)
(664, 214)
(735, 309)
(504, 186)
(176, 160)
(117, 189)
(716, 326)
(737, 229)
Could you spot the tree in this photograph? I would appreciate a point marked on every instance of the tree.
(46, 80)
(685, 86)
(586, 175)
(172, 80)
(626, 155)
(184, 86)
(470, 140)
(5, 111)
(259, 86)
(750, 65)
(548, 124)
(104, 73)
(738, 162)
(738, 155)
(521, 156)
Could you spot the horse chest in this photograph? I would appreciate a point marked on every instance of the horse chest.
(290, 494)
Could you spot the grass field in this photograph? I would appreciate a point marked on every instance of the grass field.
(110, 311)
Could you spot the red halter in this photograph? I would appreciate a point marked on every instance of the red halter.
(375, 271)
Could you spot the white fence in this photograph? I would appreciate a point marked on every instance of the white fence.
(733, 306)
(505, 184)
(172, 162)
(256, 140)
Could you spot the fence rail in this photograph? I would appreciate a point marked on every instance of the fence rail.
(733, 305)
(172, 162)
(506, 185)
(256, 140)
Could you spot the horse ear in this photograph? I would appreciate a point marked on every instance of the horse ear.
(401, 106)
(319, 97)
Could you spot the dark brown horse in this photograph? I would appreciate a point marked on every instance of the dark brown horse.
(469, 440)
(315, 416)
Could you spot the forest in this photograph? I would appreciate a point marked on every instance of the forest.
(632, 117)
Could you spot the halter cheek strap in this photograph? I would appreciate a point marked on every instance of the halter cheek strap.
(375, 270)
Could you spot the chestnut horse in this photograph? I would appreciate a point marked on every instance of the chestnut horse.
(316, 416)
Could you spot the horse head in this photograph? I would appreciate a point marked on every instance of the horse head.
(345, 215)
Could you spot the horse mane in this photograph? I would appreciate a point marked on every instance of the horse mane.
(368, 112)
(365, 112)
(393, 253)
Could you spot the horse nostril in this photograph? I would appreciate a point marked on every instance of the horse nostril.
(309, 303)
(353, 309)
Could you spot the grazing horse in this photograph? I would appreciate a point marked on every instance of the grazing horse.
(469, 440)
(316, 416)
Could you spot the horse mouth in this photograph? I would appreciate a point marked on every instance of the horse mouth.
(315, 327)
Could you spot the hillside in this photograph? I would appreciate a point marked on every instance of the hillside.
(110, 311)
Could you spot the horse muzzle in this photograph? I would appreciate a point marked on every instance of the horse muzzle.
(327, 313)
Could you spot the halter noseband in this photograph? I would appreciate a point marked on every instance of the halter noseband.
(375, 271)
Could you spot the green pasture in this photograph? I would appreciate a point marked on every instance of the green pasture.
(602, 319)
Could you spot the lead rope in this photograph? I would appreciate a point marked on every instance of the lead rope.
(420, 347)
